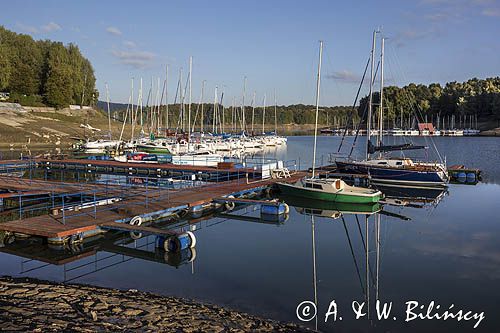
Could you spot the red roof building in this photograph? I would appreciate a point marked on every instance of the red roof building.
(426, 127)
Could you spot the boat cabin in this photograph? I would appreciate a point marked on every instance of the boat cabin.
(330, 185)
(403, 162)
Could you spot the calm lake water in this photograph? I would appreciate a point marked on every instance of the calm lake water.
(447, 251)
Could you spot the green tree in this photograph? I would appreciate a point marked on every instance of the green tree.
(4, 68)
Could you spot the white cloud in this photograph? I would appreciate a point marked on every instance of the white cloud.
(494, 12)
(27, 28)
(344, 75)
(114, 31)
(51, 26)
(129, 43)
(136, 59)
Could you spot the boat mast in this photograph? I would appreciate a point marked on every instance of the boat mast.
(233, 126)
(158, 102)
(369, 119)
(253, 110)
(181, 99)
(221, 117)
(130, 107)
(317, 106)
(140, 94)
(133, 114)
(109, 113)
(264, 116)
(189, 107)
(166, 98)
(381, 104)
(243, 116)
(275, 114)
(214, 116)
(201, 112)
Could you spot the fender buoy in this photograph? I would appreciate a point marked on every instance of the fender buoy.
(179, 242)
(135, 235)
(136, 220)
(9, 239)
(287, 208)
(75, 239)
(229, 204)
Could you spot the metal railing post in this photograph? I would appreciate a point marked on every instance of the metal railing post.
(95, 206)
(63, 213)
(20, 207)
(147, 192)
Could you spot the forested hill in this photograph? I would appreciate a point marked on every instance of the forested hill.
(44, 72)
(479, 97)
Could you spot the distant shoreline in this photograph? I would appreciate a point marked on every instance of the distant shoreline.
(306, 131)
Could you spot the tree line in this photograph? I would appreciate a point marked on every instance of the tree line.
(286, 115)
(474, 97)
(44, 72)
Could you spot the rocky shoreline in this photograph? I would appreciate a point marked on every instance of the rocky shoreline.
(40, 306)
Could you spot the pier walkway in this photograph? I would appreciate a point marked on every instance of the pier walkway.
(74, 216)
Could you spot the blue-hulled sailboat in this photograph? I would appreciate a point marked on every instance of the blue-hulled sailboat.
(401, 172)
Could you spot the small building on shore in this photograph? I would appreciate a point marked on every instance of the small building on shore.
(426, 129)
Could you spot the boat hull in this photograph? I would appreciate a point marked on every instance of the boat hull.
(395, 176)
(153, 150)
(343, 207)
(298, 191)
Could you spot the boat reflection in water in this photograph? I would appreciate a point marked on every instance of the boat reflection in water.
(364, 241)
(327, 208)
(411, 196)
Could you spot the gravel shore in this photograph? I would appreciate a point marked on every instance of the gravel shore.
(41, 306)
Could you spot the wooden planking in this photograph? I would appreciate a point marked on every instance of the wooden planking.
(152, 166)
(137, 228)
(77, 222)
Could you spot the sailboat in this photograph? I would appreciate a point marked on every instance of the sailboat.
(331, 189)
(392, 171)
(101, 145)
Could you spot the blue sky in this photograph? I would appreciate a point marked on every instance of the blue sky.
(273, 43)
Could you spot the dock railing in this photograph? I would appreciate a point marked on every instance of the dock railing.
(108, 192)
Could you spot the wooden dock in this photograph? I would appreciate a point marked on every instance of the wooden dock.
(139, 201)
